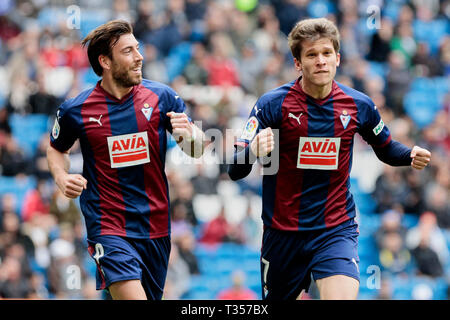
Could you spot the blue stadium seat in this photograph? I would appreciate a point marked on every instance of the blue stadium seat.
(18, 187)
(28, 130)
(421, 106)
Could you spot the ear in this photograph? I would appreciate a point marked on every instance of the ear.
(105, 62)
(338, 59)
(298, 65)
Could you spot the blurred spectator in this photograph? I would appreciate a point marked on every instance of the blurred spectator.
(36, 202)
(389, 189)
(425, 64)
(394, 256)
(428, 245)
(12, 284)
(397, 81)
(39, 165)
(195, 71)
(238, 290)
(221, 68)
(41, 101)
(12, 158)
(380, 45)
(178, 276)
(185, 242)
(391, 221)
(219, 230)
(64, 209)
(11, 233)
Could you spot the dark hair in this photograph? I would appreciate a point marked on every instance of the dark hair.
(312, 29)
(102, 39)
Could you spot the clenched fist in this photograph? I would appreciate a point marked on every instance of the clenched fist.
(71, 185)
(263, 143)
(420, 157)
(181, 126)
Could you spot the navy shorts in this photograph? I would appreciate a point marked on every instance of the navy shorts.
(120, 258)
(289, 259)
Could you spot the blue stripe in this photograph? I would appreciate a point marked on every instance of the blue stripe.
(316, 182)
(131, 179)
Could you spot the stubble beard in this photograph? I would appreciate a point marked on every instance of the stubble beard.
(124, 77)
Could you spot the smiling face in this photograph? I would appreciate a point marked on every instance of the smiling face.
(318, 62)
(126, 61)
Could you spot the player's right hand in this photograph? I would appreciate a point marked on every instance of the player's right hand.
(263, 143)
(71, 185)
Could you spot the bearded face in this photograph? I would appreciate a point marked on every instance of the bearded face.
(125, 75)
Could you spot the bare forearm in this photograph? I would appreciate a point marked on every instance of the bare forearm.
(58, 162)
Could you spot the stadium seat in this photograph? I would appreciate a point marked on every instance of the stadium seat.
(28, 130)
(421, 106)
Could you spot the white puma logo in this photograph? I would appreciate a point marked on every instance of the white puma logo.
(96, 120)
(354, 261)
(290, 115)
(257, 110)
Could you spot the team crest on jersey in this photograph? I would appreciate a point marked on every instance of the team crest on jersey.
(345, 119)
(250, 129)
(318, 153)
(56, 128)
(128, 149)
(147, 111)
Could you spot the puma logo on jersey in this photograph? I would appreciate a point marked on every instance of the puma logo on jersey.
(318, 153)
(128, 149)
(354, 261)
(96, 120)
(291, 115)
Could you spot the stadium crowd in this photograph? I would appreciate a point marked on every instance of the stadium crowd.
(220, 56)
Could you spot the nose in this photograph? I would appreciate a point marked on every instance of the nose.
(321, 59)
(138, 56)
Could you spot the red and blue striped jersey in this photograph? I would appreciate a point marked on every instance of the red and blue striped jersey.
(311, 189)
(123, 143)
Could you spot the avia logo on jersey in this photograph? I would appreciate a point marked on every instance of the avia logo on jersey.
(128, 149)
(318, 153)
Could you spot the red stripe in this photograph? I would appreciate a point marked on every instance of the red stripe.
(289, 178)
(155, 186)
(132, 157)
(111, 203)
(318, 161)
(125, 153)
(335, 207)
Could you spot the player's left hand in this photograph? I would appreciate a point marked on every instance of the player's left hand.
(181, 126)
(420, 157)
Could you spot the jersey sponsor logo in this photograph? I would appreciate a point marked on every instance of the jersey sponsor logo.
(345, 119)
(291, 115)
(56, 128)
(128, 149)
(250, 128)
(147, 111)
(379, 127)
(318, 153)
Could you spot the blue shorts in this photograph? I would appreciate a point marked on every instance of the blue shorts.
(289, 259)
(120, 258)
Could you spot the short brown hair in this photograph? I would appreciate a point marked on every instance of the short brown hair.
(102, 39)
(312, 29)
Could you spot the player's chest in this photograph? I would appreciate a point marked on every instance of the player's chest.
(316, 135)
(306, 120)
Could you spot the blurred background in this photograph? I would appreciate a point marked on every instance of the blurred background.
(220, 56)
